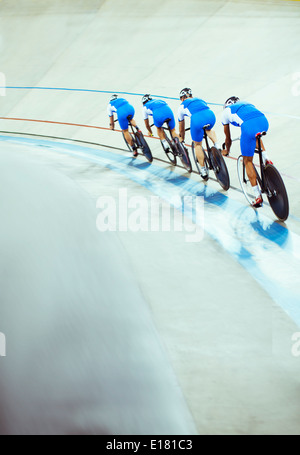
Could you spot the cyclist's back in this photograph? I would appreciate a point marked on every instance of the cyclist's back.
(200, 115)
(155, 104)
(240, 112)
(122, 108)
(119, 102)
(192, 106)
(160, 111)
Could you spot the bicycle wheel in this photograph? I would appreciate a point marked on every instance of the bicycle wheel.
(183, 155)
(220, 168)
(171, 154)
(144, 146)
(197, 162)
(244, 181)
(276, 192)
(128, 146)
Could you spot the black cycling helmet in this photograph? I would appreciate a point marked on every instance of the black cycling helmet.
(230, 101)
(187, 92)
(146, 98)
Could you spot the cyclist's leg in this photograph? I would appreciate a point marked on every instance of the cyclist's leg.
(128, 137)
(248, 144)
(262, 125)
(161, 133)
(159, 117)
(199, 153)
(197, 135)
(124, 115)
(209, 118)
(248, 160)
(169, 115)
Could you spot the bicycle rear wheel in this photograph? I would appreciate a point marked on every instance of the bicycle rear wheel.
(276, 192)
(171, 153)
(144, 146)
(184, 155)
(244, 181)
(220, 168)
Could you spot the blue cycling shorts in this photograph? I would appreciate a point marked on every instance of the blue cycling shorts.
(198, 121)
(161, 114)
(249, 130)
(123, 112)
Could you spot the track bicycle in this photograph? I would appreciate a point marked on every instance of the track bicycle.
(175, 148)
(269, 181)
(139, 140)
(214, 161)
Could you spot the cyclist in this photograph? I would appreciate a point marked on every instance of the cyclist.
(160, 111)
(124, 111)
(201, 115)
(251, 121)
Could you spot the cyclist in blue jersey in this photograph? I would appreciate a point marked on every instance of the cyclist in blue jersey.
(160, 111)
(124, 110)
(251, 121)
(200, 115)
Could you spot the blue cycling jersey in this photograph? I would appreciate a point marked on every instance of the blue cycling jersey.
(194, 105)
(251, 121)
(119, 102)
(152, 105)
(160, 111)
(240, 112)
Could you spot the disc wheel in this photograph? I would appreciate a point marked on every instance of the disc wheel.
(276, 192)
(220, 168)
(184, 155)
(144, 146)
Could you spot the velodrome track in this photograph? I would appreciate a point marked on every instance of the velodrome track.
(141, 332)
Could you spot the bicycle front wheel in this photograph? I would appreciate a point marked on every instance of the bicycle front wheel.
(220, 168)
(144, 146)
(276, 192)
(244, 181)
(184, 155)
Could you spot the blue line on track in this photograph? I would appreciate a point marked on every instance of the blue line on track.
(124, 93)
